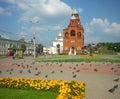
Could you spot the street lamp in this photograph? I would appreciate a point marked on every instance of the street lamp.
(34, 21)
(34, 45)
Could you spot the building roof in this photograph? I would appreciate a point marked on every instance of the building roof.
(75, 11)
(73, 17)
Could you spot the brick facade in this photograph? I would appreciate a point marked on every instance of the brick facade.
(73, 39)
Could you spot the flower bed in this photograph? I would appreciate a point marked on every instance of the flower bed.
(65, 90)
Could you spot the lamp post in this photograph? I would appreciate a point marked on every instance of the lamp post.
(34, 21)
(34, 45)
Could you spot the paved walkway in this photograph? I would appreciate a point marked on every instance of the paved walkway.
(99, 77)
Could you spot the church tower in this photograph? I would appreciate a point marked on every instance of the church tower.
(73, 36)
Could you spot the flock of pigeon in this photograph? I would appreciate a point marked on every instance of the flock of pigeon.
(74, 68)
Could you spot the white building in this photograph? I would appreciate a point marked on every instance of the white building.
(6, 44)
(57, 45)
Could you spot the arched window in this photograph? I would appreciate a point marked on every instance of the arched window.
(58, 46)
(79, 35)
(66, 35)
(72, 33)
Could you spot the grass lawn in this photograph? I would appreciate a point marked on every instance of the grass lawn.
(26, 94)
(80, 58)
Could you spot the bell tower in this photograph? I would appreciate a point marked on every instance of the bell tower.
(73, 36)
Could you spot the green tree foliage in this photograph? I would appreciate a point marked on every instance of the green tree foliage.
(39, 48)
(90, 49)
(112, 46)
(23, 46)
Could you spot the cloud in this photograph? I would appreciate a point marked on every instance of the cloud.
(4, 12)
(102, 30)
(105, 26)
(80, 10)
(41, 8)
(23, 34)
(51, 15)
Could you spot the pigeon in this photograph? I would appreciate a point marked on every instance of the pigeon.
(111, 90)
(37, 74)
(74, 76)
(82, 64)
(61, 71)
(95, 70)
(7, 70)
(74, 68)
(90, 64)
(115, 86)
(60, 65)
(21, 71)
(18, 65)
(76, 64)
(77, 70)
(0, 71)
(27, 66)
(10, 73)
(53, 72)
(70, 67)
(11, 69)
(29, 71)
(116, 80)
(36, 68)
(46, 76)
(112, 68)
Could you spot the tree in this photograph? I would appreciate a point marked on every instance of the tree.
(39, 48)
(90, 49)
(23, 46)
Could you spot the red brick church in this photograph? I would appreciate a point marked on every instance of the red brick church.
(73, 36)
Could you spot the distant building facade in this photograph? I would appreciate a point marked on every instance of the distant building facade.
(57, 45)
(73, 36)
(7, 44)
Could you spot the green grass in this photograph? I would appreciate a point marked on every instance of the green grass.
(80, 58)
(26, 94)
